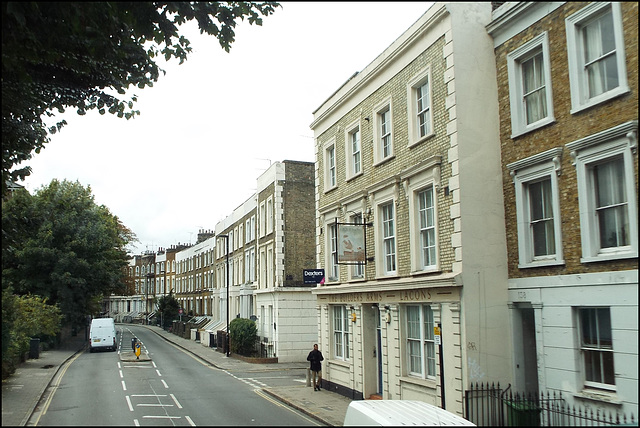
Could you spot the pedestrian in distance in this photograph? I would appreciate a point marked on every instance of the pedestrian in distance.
(316, 357)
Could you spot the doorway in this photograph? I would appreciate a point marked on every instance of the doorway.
(372, 351)
(529, 348)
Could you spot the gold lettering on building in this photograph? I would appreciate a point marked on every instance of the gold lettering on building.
(415, 295)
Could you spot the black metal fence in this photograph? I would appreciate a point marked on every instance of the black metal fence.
(492, 406)
(263, 348)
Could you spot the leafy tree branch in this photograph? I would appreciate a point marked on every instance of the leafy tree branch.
(86, 55)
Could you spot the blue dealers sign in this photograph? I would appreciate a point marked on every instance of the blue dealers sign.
(313, 276)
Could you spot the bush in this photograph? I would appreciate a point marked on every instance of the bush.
(243, 334)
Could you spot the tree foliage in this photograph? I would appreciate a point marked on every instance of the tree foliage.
(86, 55)
(242, 336)
(30, 316)
(169, 307)
(61, 245)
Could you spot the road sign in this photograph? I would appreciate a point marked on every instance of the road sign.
(138, 350)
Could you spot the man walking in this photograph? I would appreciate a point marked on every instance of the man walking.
(316, 357)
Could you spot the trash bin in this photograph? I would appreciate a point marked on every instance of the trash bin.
(34, 348)
(523, 414)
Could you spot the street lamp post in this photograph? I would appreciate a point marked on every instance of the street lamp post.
(226, 237)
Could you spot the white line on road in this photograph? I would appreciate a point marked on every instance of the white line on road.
(147, 395)
(124, 386)
(129, 403)
(136, 422)
(176, 401)
(190, 421)
(121, 374)
(158, 371)
(164, 383)
(154, 405)
(162, 417)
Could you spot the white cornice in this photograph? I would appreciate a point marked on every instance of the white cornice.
(385, 60)
(554, 155)
(513, 17)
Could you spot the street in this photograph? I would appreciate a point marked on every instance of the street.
(174, 389)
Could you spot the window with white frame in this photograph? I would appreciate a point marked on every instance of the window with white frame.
(421, 350)
(530, 94)
(332, 252)
(251, 228)
(384, 201)
(357, 270)
(420, 184)
(270, 261)
(387, 212)
(247, 264)
(270, 215)
(427, 227)
(353, 150)
(263, 268)
(341, 332)
(382, 132)
(596, 346)
(252, 265)
(538, 209)
(420, 110)
(330, 177)
(262, 219)
(606, 193)
(596, 52)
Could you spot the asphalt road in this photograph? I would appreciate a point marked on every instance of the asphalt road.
(174, 388)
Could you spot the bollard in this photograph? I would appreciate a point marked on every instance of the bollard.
(133, 344)
(308, 376)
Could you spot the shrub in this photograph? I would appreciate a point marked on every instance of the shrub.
(242, 336)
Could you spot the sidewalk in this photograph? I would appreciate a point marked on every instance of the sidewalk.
(22, 391)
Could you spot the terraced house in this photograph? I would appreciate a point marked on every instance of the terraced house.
(568, 96)
(408, 168)
(270, 240)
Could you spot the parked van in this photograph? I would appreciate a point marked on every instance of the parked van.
(102, 334)
(400, 412)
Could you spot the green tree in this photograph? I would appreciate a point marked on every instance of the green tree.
(168, 307)
(32, 317)
(243, 334)
(59, 244)
(85, 55)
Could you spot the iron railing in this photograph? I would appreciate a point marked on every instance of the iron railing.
(492, 406)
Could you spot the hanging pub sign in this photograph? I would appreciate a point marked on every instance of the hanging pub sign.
(352, 243)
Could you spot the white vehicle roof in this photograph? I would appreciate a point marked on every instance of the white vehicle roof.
(400, 412)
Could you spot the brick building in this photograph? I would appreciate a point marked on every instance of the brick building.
(407, 151)
(285, 247)
(568, 96)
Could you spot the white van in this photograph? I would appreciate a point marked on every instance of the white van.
(400, 412)
(102, 334)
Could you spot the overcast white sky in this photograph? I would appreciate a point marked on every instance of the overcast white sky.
(211, 126)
